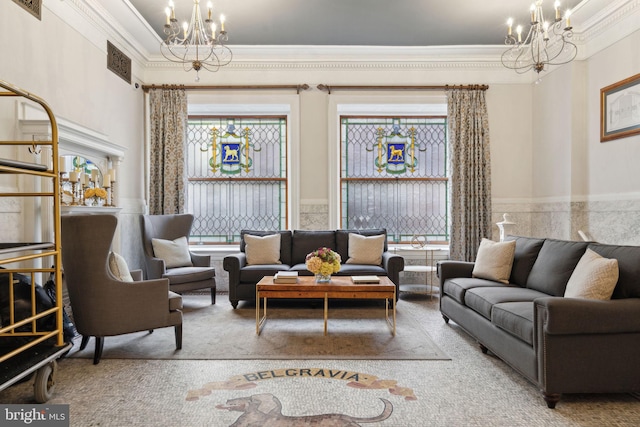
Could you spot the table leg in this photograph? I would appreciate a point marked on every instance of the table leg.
(257, 313)
(394, 314)
(260, 320)
(326, 312)
(390, 322)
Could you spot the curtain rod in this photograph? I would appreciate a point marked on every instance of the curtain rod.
(297, 88)
(330, 88)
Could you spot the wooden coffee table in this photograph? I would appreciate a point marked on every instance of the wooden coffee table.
(339, 287)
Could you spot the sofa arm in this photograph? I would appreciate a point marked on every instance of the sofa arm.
(232, 264)
(566, 316)
(200, 260)
(451, 269)
(393, 264)
(155, 267)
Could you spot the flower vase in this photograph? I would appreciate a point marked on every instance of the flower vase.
(321, 278)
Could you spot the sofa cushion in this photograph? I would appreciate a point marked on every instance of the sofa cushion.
(515, 318)
(553, 267)
(305, 242)
(482, 300)
(262, 249)
(175, 253)
(189, 274)
(366, 249)
(593, 278)
(494, 260)
(255, 273)
(342, 239)
(527, 249)
(628, 266)
(361, 270)
(457, 287)
(301, 269)
(285, 242)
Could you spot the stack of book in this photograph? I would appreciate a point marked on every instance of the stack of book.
(365, 279)
(283, 277)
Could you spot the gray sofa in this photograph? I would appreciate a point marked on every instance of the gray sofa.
(562, 345)
(294, 247)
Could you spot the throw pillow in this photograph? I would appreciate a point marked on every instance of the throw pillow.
(594, 277)
(365, 249)
(262, 250)
(175, 253)
(494, 260)
(119, 268)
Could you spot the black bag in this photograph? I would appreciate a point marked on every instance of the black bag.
(68, 329)
(45, 299)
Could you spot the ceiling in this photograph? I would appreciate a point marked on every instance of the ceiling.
(356, 22)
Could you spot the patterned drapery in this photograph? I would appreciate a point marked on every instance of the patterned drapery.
(470, 172)
(168, 135)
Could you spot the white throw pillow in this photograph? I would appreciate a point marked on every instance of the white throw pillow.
(365, 249)
(262, 249)
(494, 260)
(595, 277)
(175, 253)
(119, 267)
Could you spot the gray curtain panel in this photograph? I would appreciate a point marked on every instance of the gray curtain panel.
(470, 172)
(168, 140)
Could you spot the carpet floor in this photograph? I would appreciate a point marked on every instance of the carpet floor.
(294, 330)
(471, 389)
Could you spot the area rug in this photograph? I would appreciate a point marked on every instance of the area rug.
(294, 331)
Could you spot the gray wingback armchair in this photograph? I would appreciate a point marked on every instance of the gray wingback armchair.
(102, 305)
(170, 227)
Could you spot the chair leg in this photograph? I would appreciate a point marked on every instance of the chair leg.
(178, 330)
(98, 353)
(213, 295)
(84, 342)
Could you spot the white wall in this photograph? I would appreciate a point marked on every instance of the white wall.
(68, 69)
(613, 165)
(580, 183)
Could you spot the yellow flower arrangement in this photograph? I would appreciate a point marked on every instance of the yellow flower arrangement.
(100, 193)
(323, 261)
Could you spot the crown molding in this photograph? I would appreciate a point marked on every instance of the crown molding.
(608, 22)
(598, 23)
(354, 57)
(97, 25)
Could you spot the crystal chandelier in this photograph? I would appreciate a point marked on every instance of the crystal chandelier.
(546, 43)
(197, 44)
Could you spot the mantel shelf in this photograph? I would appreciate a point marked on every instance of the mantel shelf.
(113, 210)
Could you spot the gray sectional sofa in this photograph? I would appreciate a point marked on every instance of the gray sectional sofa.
(562, 345)
(294, 247)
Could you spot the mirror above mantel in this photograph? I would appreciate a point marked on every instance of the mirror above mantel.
(82, 151)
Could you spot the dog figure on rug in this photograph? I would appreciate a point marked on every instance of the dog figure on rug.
(265, 410)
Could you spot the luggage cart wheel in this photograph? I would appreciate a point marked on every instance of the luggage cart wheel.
(45, 384)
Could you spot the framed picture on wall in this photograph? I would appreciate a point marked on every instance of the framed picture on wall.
(620, 109)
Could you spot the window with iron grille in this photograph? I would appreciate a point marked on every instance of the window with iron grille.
(237, 176)
(393, 175)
